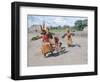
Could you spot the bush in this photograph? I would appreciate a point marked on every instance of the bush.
(35, 38)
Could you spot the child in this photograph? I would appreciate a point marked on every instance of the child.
(57, 44)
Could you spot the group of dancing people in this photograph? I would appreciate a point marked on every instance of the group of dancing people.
(51, 42)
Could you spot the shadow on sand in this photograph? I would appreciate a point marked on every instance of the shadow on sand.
(75, 45)
(63, 51)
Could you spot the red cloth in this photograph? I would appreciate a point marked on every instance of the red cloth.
(45, 38)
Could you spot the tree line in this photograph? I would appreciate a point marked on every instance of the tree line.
(79, 25)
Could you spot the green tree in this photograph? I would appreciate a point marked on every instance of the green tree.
(80, 24)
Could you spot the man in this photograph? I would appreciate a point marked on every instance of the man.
(68, 36)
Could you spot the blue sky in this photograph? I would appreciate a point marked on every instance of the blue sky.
(53, 20)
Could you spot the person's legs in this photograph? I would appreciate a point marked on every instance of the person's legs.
(69, 42)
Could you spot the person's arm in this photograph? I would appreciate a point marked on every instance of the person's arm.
(73, 34)
(64, 35)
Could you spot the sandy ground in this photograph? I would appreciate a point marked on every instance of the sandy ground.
(72, 56)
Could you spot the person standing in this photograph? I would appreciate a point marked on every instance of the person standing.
(68, 37)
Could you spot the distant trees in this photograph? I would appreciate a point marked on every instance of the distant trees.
(60, 27)
(66, 26)
(80, 24)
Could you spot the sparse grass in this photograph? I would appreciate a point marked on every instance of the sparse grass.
(62, 30)
(35, 38)
(58, 30)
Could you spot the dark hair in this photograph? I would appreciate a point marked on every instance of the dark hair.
(50, 35)
(68, 31)
(56, 39)
(43, 32)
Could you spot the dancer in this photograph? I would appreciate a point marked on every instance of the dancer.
(68, 37)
